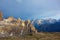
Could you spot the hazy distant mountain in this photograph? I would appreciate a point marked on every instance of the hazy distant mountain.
(48, 25)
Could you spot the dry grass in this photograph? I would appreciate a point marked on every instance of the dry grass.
(38, 36)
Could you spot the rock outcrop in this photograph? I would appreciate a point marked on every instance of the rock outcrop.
(11, 19)
(18, 20)
(30, 27)
(16, 26)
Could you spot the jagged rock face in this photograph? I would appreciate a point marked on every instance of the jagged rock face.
(29, 26)
(18, 20)
(1, 16)
(11, 19)
(32, 28)
(27, 22)
(26, 27)
(19, 27)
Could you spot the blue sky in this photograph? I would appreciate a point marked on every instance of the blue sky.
(31, 9)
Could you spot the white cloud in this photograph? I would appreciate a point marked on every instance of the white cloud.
(57, 16)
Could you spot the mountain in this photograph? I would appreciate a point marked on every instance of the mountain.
(18, 26)
(47, 25)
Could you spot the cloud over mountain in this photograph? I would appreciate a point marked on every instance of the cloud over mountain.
(47, 25)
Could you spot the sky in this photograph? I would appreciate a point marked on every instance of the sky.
(30, 9)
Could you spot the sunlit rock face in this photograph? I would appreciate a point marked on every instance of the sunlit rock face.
(18, 20)
(26, 27)
(12, 26)
(30, 27)
(11, 19)
(1, 16)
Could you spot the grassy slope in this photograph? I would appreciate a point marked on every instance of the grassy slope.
(38, 36)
